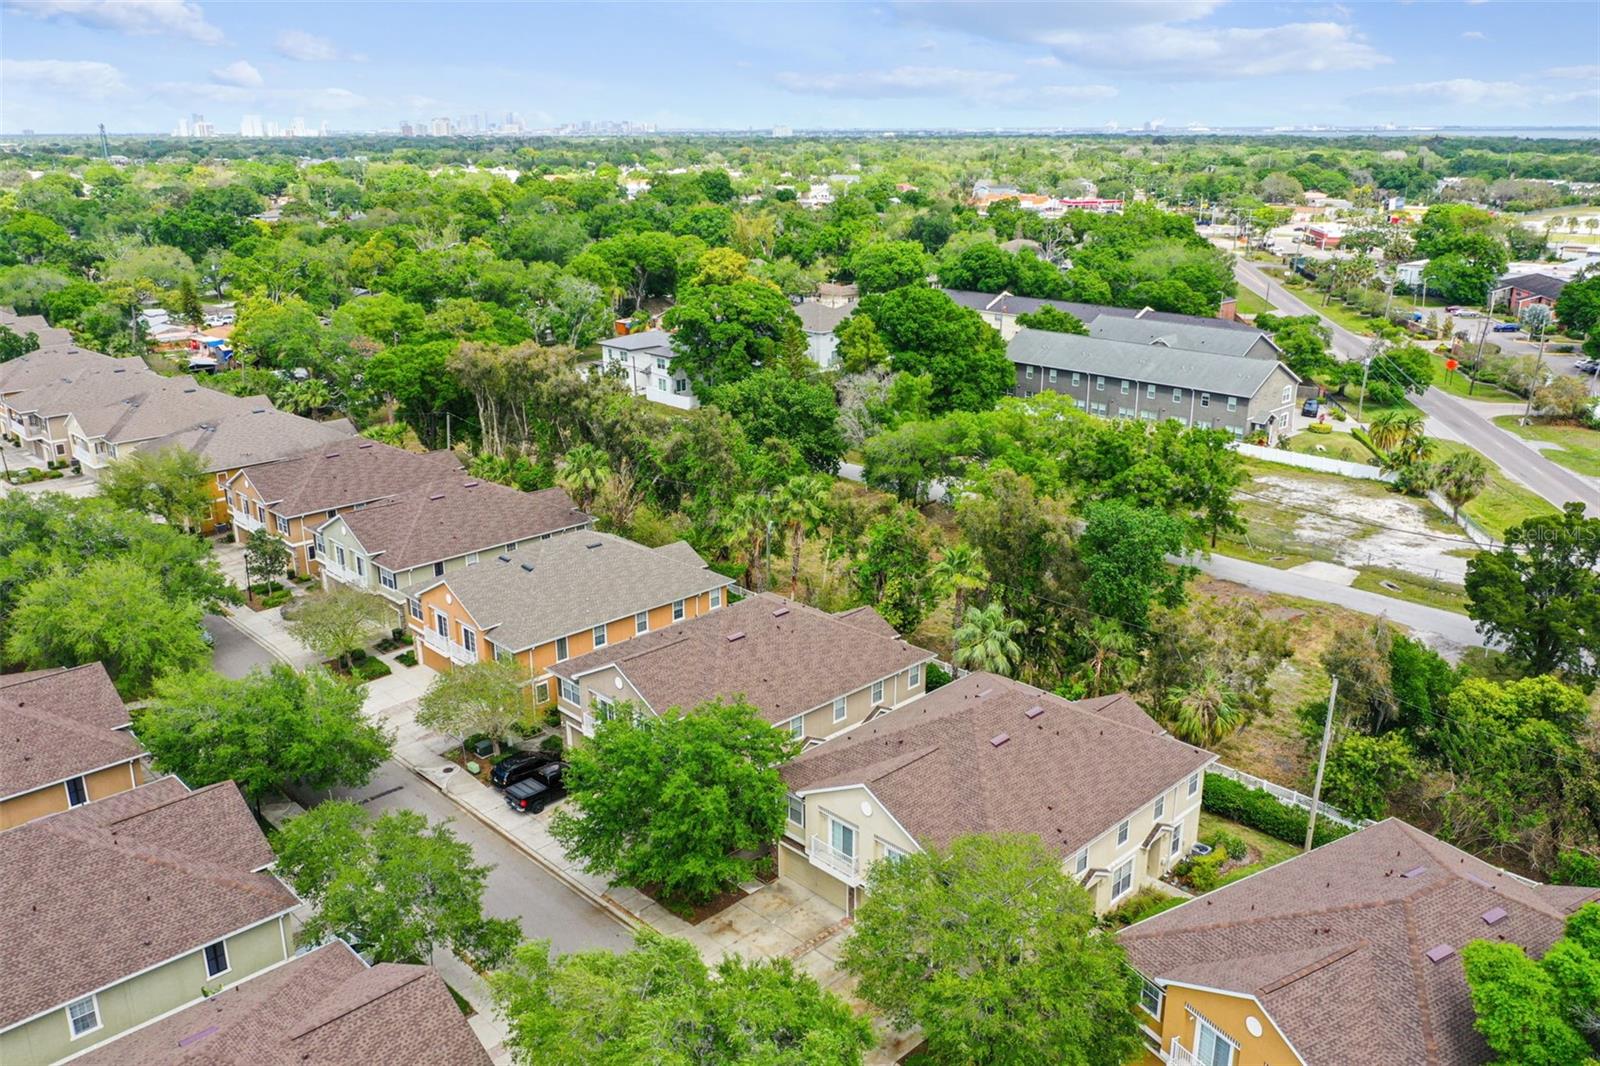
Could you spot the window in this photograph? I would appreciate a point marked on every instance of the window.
(469, 639)
(472, 558)
(797, 727)
(1150, 998)
(1126, 384)
(361, 566)
(386, 579)
(510, 547)
(561, 649)
(877, 693)
(1098, 409)
(1233, 403)
(914, 676)
(317, 540)
(441, 624)
(1194, 782)
(1161, 807)
(1122, 880)
(1177, 839)
(677, 610)
(839, 709)
(438, 569)
(1028, 373)
(338, 553)
(599, 632)
(1052, 375)
(680, 385)
(1177, 395)
(569, 692)
(1205, 399)
(1211, 1048)
(1122, 833)
(77, 794)
(716, 599)
(890, 852)
(282, 523)
(661, 384)
(416, 608)
(217, 958)
(1080, 863)
(1288, 391)
(1124, 412)
(797, 810)
(541, 693)
(1149, 392)
(641, 623)
(1099, 384)
(661, 362)
(842, 837)
(83, 1016)
(1074, 377)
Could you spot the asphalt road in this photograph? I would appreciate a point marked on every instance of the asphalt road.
(1522, 463)
(517, 887)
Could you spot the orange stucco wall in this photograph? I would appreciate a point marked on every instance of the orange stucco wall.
(53, 798)
(1229, 1015)
(301, 533)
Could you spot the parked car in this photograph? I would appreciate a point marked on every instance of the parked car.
(519, 767)
(543, 787)
(1586, 365)
(1506, 327)
(1310, 408)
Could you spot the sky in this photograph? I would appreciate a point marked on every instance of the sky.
(141, 65)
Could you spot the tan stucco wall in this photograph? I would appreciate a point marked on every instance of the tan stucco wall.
(798, 868)
(48, 1038)
(1228, 1014)
(53, 798)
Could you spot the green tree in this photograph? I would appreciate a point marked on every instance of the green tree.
(1365, 772)
(1460, 478)
(1539, 1013)
(1538, 595)
(339, 621)
(800, 506)
(800, 411)
(583, 472)
(13, 346)
(1124, 551)
(482, 697)
(986, 640)
(266, 558)
(189, 306)
(170, 482)
(263, 731)
(1206, 710)
(284, 335)
(991, 948)
(1578, 306)
(886, 265)
(748, 527)
(394, 887)
(677, 802)
(958, 572)
(660, 1003)
(109, 610)
(929, 333)
(1053, 320)
(860, 346)
(892, 572)
(724, 333)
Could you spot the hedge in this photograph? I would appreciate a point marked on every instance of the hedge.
(1258, 809)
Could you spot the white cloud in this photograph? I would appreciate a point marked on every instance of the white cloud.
(1074, 92)
(239, 73)
(1584, 73)
(1475, 35)
(899, 81)
(140, 18)
(306, 47)
(87, 80)
(313, 100)
(1577, 97)
(1458, 91)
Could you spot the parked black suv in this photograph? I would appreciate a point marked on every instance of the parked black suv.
(542, 787)
(519, 767)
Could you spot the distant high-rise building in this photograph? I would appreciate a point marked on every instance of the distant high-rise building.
(407, 130)
(182, 129)
(782, 131)
(273, 129)
(250, 126)
(322, 128)
(300, 129)
(440, 127)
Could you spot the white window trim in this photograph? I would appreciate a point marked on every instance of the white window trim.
(66, 786)
(1194, 781)
(1125, 865)
(1080, 861)
(226, 958)
(679, 610)
(1160, 807)
(99, 1019)
(855, 835)
(877, 692)
(1123, 831)
(571, 692)
(1161, 998)
(801, 803)
(641, 623)
(386, 578)
(598, 634)
(841, 710)
(914, 676)
(716, 599)
(562, 650)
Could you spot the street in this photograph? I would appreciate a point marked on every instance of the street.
(517, 887)
(1520, 462)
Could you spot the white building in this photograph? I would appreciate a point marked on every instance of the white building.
(1410, 274)
(645, 359)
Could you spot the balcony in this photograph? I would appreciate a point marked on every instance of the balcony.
(456, 653)
(245, 520)
(1179, 1055)
(343, 576)
(845, 867)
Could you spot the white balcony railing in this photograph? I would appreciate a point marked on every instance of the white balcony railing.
(244, 520)
(841, 864)
(343, 576)
(1178, 1055)
(456, 653)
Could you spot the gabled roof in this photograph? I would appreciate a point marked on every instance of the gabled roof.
(95, 894)
(1538, 284)
(157, 407)
(451, 517)
(344, 473)
(868, 619)
(56, 724)
(1224, 375)
(553, 588)
(1005, 303)
(62, 381)
(325, 1008)
(1067, 774)
(648, 339)
(784, 657)
(821, 318)
(259, 433)
(1187, 335)
(1334, 944)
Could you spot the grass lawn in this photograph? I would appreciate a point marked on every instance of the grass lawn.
(1503, 503)
(1457, 384)
(1348, 317)
(1333, 445)
(1412, 587)
(1269, 851)
(1580, 447)
(1249, 303)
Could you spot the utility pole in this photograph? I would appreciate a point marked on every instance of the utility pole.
(1322, 762)
(447, 442)
(1483, 335)
(1366, 364)
(1538, 366)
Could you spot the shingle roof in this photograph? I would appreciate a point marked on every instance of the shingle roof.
(1333, 944)
(450, 517)
(784, 657)
(1007, 304)
(631, 342)
(258, 434)
(868, 619)
(325, 1008)
(1224, 375)
(348, 472)
(1187, 335)
(820, 318)
(1538, 284)
(56, 724)
(157, 407)
(1067, 775)
(106, 890)
(552, 588)
(22, 325)
(63, 381)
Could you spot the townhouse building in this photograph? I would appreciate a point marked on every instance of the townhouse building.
(813, 674)
(1000, 310)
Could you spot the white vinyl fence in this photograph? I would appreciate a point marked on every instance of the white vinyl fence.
(1286, 796)
(1321, 463)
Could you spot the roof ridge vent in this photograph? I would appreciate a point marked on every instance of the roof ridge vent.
(735, 635)
(1493, 915)
(1415, 871)
(470, 485)
(1440, 952)
(593, 545)
(437, 496)
(999, 739)
(982, 692)
(780, 612)
(1034, 711)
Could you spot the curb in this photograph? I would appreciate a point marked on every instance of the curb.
(604, 902)
(258, 641)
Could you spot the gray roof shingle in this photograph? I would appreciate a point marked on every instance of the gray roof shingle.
(453, 516)
(56, 724)
(1007, 304)
(1223, 375)
(258, 434)
(345, 473)
(820, 318)
(556, 587)
(1187, 335)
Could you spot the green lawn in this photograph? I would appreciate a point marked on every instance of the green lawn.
(1269, 851)
(1250, 303)
(1457, 384)
(1580, 447)
(1503, 503)
(1333, 445)
(1412, 587)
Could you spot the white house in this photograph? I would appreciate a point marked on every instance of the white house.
(645, 360)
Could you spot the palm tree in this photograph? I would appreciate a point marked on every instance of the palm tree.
(582, 473)
(749, 525)
(1400, 434)
(986, 640)
(800, 505)
(960, 571)
(1112, 659)
(305, 397)
(1461, 477)
(1207, 710)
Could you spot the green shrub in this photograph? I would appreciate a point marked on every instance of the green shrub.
(275, 599)
(371, 669)
(1227, 842)
(359, 655)
(1576, 868)
(1319, 427)
(1337, 414)
(552, 745)
(1256, 808)
(1141, 905)
(936, 677)
(406, 658)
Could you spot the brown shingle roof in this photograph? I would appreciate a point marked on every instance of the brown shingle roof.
(789, 659)
(257, 434)
(1067, 775)
(56, 724)
(56, 363)
(325, 1008)
(1334, 944)
(337, 475)
(868, 619)
(449, 517)
(103, 891)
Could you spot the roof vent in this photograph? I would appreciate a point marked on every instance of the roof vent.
(258, 410)
(1415, 871)
(437, 496)
(527, 567)
(187, 391)
(999, 739)
(1034, 711)
(331, 455)
(195, 1038)
(984, 692)
(735, 636)
(1440, 953)
(503, 558)
(780, 612)
(470, 485)
(594, 545)
(1493, 915)
(364, 444)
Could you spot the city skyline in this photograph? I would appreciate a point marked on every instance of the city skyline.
(140, 65)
